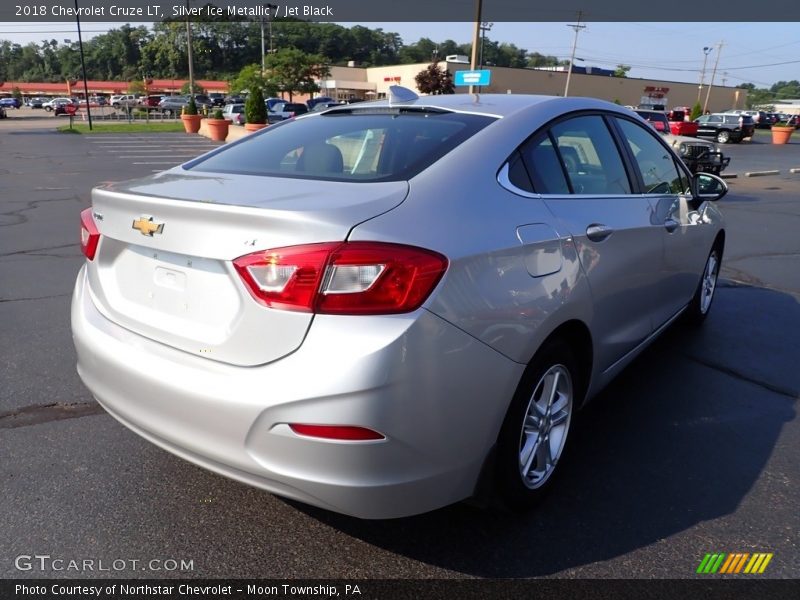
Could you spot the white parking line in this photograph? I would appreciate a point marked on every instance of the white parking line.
(171, 163)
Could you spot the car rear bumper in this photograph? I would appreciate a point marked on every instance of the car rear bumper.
(436, 393)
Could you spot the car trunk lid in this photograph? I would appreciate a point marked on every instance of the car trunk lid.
(164, 265)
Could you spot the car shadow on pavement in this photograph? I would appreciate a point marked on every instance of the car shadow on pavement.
(679, 438)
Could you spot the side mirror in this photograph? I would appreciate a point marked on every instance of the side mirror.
(708, 187)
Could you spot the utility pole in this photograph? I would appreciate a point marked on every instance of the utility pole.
(713, 74)
(83, 68)
(476, 39)
(706, 51)
(577, 28)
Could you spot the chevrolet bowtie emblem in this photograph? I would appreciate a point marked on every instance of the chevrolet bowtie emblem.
(146, 226)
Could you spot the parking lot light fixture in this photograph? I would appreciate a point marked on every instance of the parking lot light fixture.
(706, 51)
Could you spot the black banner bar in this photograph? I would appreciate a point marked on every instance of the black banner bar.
(707, 588)
(363, 11)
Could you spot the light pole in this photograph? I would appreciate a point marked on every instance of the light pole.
(83, 67)
(706, 51)
(189, 50)
(713, 74)
(269, 8)
(577, 28)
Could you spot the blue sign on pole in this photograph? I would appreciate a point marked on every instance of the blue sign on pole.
(481, 77)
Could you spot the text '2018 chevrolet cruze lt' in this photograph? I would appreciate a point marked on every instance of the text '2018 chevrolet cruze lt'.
(382, 307)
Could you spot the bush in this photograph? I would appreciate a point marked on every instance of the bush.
(191, 108)
(217, 114)
(255, 111)
(697, 111)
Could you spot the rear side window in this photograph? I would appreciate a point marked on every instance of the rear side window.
(544, 166)
(391, 145)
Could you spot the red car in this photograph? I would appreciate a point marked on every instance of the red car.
(679, 123)
(150, 102)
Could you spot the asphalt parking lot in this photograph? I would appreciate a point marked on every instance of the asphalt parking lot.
(692, 450)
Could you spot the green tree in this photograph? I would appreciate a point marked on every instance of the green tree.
(622, 70)
(16, 93)
(697, 110)
(187, 89)
(435, 80)
(293, 71)
(251, 78)
(255, 109)
(136, 87)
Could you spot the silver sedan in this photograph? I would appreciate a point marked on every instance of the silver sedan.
(385, 307)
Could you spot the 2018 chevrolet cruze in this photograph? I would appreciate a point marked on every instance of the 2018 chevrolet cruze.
(381, 308)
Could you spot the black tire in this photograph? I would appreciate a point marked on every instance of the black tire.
(723, 136)
(700, 305)
(520, 486)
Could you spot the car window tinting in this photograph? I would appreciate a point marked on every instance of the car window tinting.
(659, 174)
(389, 146)
(544, 166)
(590, 156)
(517, 174)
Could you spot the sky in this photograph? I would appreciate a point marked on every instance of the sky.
(759, 53)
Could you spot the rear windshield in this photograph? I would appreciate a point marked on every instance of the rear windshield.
(391, 145)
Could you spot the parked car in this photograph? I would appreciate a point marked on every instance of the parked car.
(151, 102)
(679, 123)
(297, 310)
(320, 106)
(3, 114)
(312, 102)
(65, 108)
(234, 112)
(286, 110)
(234, 99)
(726, 127)
(124, 101)
(271, 102)
(203, 101)
(759, 117)
(173, 105)
(35, 102)
(10, 102)
(50, 105)
(699, 155)
(217, 99)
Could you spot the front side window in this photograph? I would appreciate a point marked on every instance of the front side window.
(655, 162)
(590, 157)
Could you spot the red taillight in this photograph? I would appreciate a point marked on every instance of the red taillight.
(351, 278)
(90, 235)
(336, 432)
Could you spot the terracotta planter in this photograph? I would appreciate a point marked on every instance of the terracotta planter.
(254, 126)
(218, 129)
(781, 135)
(191, 123)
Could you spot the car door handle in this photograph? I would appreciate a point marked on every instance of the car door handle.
(671, 224)
(598, 232)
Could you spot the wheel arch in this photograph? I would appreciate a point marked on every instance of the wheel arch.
(577, 336)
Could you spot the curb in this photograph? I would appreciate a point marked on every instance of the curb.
(729, 175)
(761, 173)
(793, 171)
